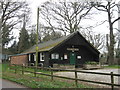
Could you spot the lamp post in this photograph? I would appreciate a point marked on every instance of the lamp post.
(36, 64)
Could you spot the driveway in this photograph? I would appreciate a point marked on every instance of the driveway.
(9, 84)
(93, 77)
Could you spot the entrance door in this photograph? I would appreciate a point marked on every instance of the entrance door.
(72, 58)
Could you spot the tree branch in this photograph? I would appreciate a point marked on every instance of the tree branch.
(116, 20)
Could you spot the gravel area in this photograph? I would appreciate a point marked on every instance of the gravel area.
(94, 77)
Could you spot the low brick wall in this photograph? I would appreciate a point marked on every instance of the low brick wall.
(19, 60)
(63, 66)
(92, 66)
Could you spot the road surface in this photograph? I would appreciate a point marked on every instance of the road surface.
(9, 84)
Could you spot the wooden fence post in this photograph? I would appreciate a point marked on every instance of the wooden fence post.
(22, 69)
(15, 69)
(9, 66)
(112, 81)
(51, 74)
(35, 71)
(76, 81)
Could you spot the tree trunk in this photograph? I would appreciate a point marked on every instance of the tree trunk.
(111, 47)
(107, 44)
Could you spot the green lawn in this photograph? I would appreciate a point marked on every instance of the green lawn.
(4, 67)
(113, 66)
(40, 81)
(0, 70)
(0, 67)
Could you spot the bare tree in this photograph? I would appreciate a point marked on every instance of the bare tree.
(109, 7)
(12, 13)
(96, 39)
(117, 44)
(42, 31)
(52, 36)
(65, 16)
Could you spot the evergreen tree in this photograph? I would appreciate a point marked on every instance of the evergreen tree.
(32, 38)
(13, 48)
(11, 13)
(24, 42)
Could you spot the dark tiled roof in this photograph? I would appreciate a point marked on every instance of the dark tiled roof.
(46, 46)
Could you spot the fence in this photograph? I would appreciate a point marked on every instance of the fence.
(76, 79)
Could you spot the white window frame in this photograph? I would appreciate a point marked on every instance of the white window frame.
(29, 57)
(54, 56)
(34, 57)
(41, 57)
(65, 56)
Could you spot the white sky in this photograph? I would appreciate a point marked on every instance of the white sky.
(34, 4)
(97, 18)
(101, 29)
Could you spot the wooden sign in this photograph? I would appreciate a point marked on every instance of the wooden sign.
(72, 49)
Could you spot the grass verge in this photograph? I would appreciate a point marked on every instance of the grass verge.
(113, 66)
(40, 81)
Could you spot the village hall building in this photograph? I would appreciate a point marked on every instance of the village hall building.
(73, 49)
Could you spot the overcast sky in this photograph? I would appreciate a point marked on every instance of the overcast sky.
(97, 18)
(34, 4)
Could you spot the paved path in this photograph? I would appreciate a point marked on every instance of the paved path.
(9, 84)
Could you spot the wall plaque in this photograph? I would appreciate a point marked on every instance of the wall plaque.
(72, 49)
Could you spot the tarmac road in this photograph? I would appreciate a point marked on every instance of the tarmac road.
(9, 84)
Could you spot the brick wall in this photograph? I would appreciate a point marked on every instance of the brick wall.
(20, 60)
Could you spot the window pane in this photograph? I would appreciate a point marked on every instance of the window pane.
(52, 56)
(65, 56)
(79, 57)
(41, 57)
(57, 56)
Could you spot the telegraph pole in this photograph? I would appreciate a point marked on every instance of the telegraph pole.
(36, 64)
(119, 15)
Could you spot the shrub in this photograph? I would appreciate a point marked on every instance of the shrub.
(91, 63)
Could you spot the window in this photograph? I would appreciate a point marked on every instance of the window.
(41, 57)
(61, 58)
(78, 57)
(65, 56)
(29, 56)
(54, 56)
